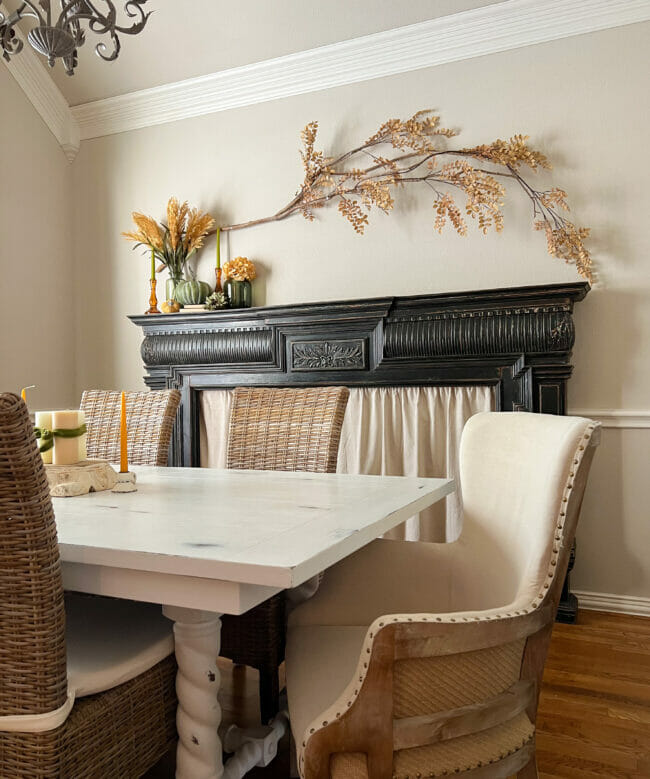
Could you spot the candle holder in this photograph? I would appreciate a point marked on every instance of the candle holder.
(218, 287)
(125, 482)
(153, 300)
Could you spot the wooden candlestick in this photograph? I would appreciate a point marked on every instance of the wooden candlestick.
(125, 482)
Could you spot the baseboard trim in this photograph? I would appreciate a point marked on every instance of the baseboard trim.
(618, 604)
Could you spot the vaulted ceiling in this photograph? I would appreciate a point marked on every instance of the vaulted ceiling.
(187, 39)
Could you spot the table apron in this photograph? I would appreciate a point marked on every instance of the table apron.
(193, 592)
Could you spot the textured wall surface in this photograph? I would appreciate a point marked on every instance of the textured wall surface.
(37, 340)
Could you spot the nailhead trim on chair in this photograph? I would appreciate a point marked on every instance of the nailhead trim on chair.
(351, 692)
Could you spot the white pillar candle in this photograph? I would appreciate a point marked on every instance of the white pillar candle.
(83, 451)
(68, 451)
(43, 419)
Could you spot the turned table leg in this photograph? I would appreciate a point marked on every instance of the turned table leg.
(197, 636)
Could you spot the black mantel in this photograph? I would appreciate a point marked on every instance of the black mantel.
(516, 339)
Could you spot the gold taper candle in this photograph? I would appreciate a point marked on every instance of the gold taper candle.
(124, 458)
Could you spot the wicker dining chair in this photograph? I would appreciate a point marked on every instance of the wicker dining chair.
(150, 419)
(422, 659)
(277, 430)
(86, 686)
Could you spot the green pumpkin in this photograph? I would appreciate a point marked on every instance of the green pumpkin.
(192, 293)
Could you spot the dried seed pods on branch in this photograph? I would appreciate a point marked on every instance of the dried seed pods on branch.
(465, 183)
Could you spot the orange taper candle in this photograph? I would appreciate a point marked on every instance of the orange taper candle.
(124, 458)
(23, 392)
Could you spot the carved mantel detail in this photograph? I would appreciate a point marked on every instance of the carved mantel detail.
(328, 355)
(501, 331)
(205, 347)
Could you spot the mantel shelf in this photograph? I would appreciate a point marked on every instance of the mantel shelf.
(502, 297)
(517, 340)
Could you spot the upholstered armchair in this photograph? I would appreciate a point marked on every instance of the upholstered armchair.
(419, 659)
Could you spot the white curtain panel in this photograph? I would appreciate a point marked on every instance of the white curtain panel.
(394, 431)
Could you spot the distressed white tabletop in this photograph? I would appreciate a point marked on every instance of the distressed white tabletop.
(251, 527)
(204, 542)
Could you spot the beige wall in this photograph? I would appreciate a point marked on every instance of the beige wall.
(584, 101)
(36, 305)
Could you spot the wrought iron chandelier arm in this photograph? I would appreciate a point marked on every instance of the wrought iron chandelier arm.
(101, 23)
(61, 40)
(10, 42)
(26, 9)
(102, 48)
(34, 11)
(73, 10)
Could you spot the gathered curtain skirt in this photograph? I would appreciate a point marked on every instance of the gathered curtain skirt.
(391, 431)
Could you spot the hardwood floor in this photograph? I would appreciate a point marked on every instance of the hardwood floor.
(594, 715)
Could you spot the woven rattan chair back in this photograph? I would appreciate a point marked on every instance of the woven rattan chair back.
(280, 430)
(33, 676)
(286, 429)
(150, 419)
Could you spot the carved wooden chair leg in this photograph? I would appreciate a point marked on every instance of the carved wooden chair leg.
(529, 771)
(269, 693)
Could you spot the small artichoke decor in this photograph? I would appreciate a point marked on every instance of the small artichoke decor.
(216, 301)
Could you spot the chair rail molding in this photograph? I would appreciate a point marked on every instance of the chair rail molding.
(46, 98)
(615, 417)
(488, 30)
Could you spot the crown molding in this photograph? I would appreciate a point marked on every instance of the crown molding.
(615, 417)
(46, 98)
(487, 30)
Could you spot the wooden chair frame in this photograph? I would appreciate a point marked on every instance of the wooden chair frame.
(366, 723)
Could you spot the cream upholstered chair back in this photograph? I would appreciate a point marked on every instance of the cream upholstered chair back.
(453, 692)
(32, 617)
(150, 420)
(516, 471)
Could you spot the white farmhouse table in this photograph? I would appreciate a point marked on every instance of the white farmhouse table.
(205, 542)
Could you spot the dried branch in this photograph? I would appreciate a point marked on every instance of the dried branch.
(423, 158)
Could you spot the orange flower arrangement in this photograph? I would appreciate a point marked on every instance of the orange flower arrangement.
(239, 269)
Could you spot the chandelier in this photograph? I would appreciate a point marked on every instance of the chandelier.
(58, 34)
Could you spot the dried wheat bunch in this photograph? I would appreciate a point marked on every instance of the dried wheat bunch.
(175, 242)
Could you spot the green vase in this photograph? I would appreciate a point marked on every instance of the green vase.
(239, 293)
(171, 284)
